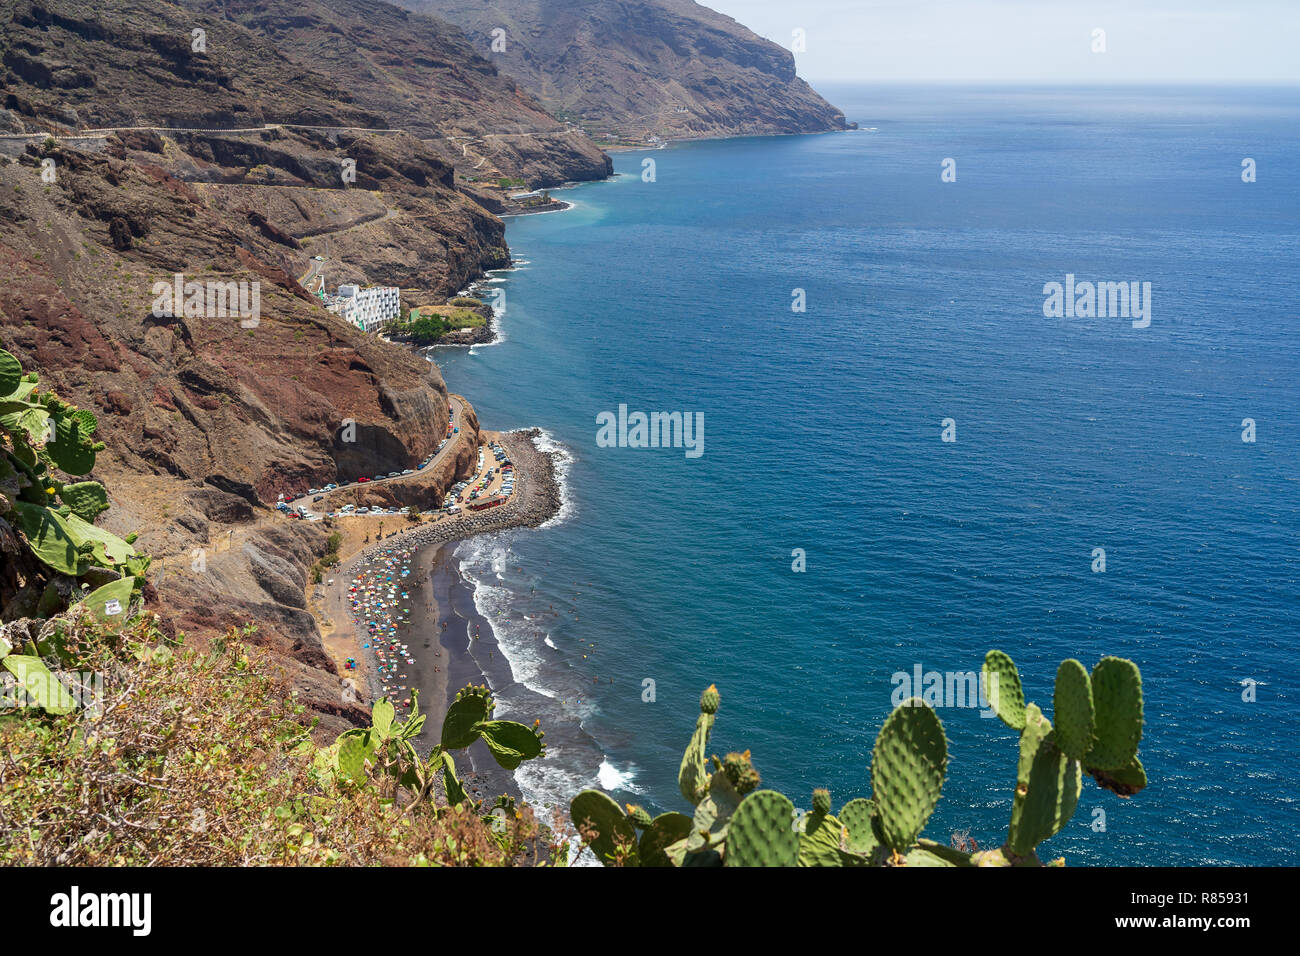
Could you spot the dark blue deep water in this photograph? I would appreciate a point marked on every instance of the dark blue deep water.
(822, 433)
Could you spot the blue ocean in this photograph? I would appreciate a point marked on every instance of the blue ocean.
(823, 447)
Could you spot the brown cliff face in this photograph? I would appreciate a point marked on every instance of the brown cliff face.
(69, 65)
(203, 397)
(74, 64)
(423, 76)
(670, 68)
(205, 419)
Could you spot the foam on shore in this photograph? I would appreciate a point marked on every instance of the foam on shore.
(562, 459)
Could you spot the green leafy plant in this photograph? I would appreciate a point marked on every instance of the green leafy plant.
(1099, 725)
(386, 751)
(43, 438)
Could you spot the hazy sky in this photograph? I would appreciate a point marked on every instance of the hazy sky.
(1035, 41)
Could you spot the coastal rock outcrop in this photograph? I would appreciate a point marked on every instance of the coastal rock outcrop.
(632, 69)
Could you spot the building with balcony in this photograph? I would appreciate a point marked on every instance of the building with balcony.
(369, 308)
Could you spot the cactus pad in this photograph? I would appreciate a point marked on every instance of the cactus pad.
(51, 538)
(1122, 783)
(907, 770)
(353, 750)
(761, 832)
(819, 840)
(740, 771)
(821, 801)
(11, 374)
(664, 831)
(1002, 689)
(71, 449)
(1047, 786)
(693, 775)
(1117, 701)
(471, 706)
(510, 742)
(639, 816)
(1072, 709)
(594, 810)
(858, 833)
(87, 499)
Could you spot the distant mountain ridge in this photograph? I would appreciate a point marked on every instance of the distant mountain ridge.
(423, 76)
(670, 68)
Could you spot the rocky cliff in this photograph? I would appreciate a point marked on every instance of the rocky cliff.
(206, 417)
(423, 76)
(637, 68)
(205, 420)
(72, 65)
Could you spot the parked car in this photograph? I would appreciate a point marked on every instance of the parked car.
(362, 481)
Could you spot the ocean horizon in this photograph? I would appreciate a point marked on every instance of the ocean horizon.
(943, 457)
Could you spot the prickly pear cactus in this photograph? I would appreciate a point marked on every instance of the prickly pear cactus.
(665, 831)
(472, 706)
(907, 771)
(739, 769)
(1117, 699)
(40, 435)
(821, 800)
(712, 816)
(1124, 782)
(1072, 709)
(693, 776)
(639, 816)
(87, 499)
(71, 449)
(511, 743)
(819, 836)
(609, 826)
(1003, 690)
(858, 819)
(761, 832)
(1047, 786)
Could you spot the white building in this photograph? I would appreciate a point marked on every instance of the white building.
(367, 309)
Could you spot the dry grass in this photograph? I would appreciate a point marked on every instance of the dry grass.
(203, 759)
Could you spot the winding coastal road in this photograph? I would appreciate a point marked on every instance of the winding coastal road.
(103, 132)
(457, 408)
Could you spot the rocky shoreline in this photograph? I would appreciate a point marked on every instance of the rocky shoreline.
(536, 500)
(443, 608)
(487, 333)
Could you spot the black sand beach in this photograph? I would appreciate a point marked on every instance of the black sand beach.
(450, 642)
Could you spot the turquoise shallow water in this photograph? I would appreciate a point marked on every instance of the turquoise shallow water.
(822, 432)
